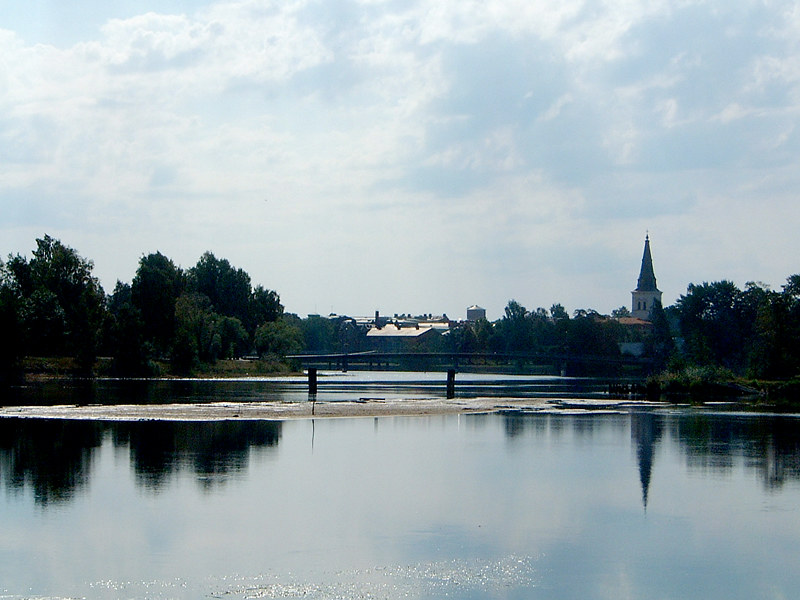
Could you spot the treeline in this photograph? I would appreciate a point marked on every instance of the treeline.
(52, 305)
(753, 332)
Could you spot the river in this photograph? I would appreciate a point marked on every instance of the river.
(639, 502)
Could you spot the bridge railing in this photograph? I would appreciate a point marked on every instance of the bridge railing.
(559, 363)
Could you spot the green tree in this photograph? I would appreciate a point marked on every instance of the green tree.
(45, 324)
(773, 350)
(61, 304)
(484, 331)
(715, 322)
(463, 339)
(195, 329)
(280, 338)
(515, 328)
(659, 345)
(620, 312)
(11, 341)
(227, 288)
(590, 337)
(125, 331)
(154, 291)
(319, 335)
(558, 313)
(131, 352)
(264, 307)
(233, 339)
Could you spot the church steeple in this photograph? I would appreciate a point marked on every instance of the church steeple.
(646, 293)
(647, 277)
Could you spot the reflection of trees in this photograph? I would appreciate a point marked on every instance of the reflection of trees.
(770, 445)
(514, 424)
(211, 450)
(53, 458)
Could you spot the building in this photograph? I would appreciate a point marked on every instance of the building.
(475, 313)
(395, 338)
(646, 293)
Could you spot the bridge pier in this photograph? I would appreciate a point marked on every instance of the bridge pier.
(312, 380)
(451, 383)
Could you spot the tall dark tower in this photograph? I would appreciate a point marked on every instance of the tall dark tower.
(646, 293)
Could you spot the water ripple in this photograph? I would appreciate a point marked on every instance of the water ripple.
(424, 580)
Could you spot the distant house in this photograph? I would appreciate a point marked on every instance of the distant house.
(394, 338)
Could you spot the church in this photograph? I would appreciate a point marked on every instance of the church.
(646, 293)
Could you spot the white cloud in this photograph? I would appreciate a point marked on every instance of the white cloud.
(342, 136)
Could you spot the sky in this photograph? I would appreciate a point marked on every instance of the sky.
(408, 156)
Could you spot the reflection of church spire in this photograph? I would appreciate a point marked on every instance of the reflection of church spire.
(645, 432)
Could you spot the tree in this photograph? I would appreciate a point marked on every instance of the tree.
(11, 340)
(280, 338)
(463, 339)
(226, 287)
(715, 323)
(155, 288)
(558, 313)
(264, 307)
(620, 312)
(194, 332)
(775, 329)
(131, 352)
(515, 312)
(515, 328)
(484, 331)
(125, 331)
(61, 305)
(233, 339)
(319, 334)
(659, 345)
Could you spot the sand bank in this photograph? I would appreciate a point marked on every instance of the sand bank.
(367, 407)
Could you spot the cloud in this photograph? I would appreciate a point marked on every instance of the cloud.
(347, 135)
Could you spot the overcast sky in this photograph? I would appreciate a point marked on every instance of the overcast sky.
(408, 156)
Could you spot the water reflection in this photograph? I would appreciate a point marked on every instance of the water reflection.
(646, 430)
(159, 450)
(332, 386)
(710, 442)
(459, 506)
(770, 445)
(54, 458)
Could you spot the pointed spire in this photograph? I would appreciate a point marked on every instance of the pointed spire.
(647, 277)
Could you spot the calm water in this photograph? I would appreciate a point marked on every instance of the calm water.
(663, 503)
(333, 386)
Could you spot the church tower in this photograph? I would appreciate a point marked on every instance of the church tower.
(646, 293)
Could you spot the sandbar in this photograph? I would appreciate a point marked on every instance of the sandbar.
(282, 411)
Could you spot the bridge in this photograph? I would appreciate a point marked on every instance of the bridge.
(544, 363)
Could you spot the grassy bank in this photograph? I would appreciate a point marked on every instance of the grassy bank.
(33, 368)
(708, 384)
(240, 368)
